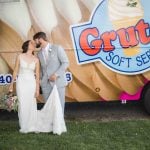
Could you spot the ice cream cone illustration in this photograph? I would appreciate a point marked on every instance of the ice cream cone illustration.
(90, 82)
(124, 14)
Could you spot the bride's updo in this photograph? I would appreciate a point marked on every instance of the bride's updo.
(25, 46)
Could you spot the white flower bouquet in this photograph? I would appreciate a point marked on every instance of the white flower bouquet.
(9, 102)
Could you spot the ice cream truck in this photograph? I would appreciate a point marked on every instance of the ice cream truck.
(107, 43)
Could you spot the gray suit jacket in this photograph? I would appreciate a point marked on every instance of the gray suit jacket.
(57, 63)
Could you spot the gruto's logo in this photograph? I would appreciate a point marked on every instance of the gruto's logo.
(118, 35)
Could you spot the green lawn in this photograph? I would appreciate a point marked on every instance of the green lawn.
(115, 135)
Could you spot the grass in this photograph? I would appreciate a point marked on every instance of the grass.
(115, 135)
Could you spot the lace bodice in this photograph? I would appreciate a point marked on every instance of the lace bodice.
(26, 68)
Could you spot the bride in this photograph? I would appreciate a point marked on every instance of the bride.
(50, 117)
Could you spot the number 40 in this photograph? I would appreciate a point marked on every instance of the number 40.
(5, 79)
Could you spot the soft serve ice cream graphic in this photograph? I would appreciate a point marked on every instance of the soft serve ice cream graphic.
(116, 35)
(21, 19)
(123, 14)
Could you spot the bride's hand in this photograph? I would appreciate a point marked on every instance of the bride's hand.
(10, 88)
(37, 93)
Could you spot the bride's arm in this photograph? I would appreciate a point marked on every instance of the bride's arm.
(37, 73)
(15, 72)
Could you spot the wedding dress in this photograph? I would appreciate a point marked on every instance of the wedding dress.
(50, 118)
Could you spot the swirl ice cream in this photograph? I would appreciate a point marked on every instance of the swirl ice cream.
(90, 82)
(123, 14)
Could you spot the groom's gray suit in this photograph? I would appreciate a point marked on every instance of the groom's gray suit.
(57, 63)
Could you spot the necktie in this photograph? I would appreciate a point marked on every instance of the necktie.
(46, 55)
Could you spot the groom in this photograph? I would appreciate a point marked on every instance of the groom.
(54, 62)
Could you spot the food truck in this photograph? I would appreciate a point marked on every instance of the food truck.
(107, 43)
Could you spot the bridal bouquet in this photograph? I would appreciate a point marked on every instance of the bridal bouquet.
(9, 102)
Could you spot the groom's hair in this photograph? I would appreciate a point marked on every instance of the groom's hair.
(39, 35)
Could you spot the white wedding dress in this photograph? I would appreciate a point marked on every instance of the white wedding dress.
(50, 118)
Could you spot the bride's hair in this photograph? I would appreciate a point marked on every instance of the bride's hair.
(25, 46)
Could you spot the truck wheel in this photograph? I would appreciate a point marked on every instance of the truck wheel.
(146, 98)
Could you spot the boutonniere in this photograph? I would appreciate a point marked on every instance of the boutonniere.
(51, 54)
(49, 49)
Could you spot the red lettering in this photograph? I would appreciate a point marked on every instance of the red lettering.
(127, 37)
(141, 29)
(95, 45)
(107, 37)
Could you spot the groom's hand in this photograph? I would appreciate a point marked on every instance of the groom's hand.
(53, 77)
